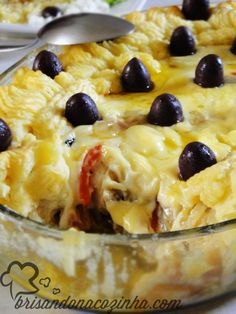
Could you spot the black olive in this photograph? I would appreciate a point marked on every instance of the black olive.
(70, 141)
(195, 157)
(51, 12)
(233, 47)
(135, 77)
(48, 63)
(166, 110)
(5, 136)
(196, 9)
(182, 42)
(210, 72)
(81, 110)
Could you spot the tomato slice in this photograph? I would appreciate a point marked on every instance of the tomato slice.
(91, 160)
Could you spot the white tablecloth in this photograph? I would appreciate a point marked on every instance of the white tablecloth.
(223, 306)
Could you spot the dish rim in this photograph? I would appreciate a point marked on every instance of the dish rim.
(186, 234)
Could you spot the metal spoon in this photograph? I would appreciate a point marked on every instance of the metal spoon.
(78, 29)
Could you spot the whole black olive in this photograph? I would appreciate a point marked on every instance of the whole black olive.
(195, 157)
(5, 136)
(135, 77)
(51, 12)
(196, 9)
(48, 63)
(166, 110)
(210, 72)
(81, 110)
(182, 42)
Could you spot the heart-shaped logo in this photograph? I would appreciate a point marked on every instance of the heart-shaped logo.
(56, 291)
(45, 282)
(28, 272)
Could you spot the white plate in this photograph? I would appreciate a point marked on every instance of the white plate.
(119, 9)
(128, 6)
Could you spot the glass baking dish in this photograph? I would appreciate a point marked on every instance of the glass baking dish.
(128, 273)
(163, 270)
(114, 273)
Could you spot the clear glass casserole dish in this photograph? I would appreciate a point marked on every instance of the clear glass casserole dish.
(118, 273)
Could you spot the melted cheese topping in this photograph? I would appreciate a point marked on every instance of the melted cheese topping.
(39, 174)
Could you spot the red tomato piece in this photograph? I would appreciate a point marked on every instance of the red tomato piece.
(91, 160)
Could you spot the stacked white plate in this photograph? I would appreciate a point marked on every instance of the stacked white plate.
(119, 9)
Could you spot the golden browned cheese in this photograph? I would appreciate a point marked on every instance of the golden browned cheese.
(39, 174)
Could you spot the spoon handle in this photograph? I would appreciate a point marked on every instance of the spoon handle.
(16, 47)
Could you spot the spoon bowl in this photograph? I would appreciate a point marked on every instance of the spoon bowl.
(78, 29)
(84, 28)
